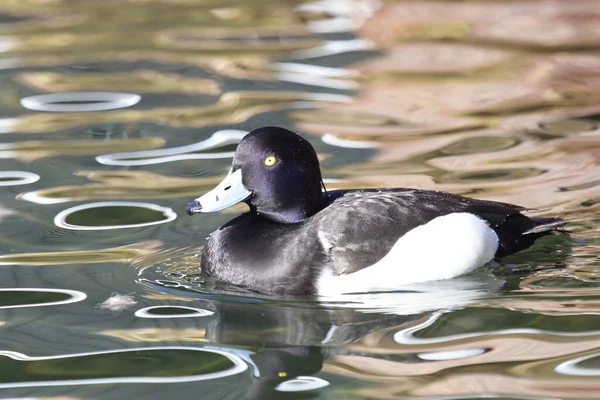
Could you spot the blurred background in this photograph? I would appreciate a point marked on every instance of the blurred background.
(115, 114)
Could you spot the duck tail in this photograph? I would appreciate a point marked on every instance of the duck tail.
(546, 225)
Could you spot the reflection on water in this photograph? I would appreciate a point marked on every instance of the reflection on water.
(162, 365)
(10, 178)
(80, 101)
(115, 114)
(28, 297)
(171, 312)
(113, 215)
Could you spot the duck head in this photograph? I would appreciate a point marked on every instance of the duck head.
(276, 172)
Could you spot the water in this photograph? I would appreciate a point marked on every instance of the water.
(100, 293)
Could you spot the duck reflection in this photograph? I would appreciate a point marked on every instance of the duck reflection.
(285, 341)
(285, 344)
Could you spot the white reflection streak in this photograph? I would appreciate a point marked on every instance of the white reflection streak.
(60, 219)
(315, 75)
(317, 70)
(312, 80)
(85, 101)
(333, 140)
(198, 312)
(6, 150)
(570, 367)
(239, 366)
(333, 47)
(450, 354)
(302, 383)
(149, 157)
(34, 197)
(406, 336)
(417, 298)
(7, 125)
(76, 296)
(8, 43)
(337, 24)
(363, 8)
(22, 178)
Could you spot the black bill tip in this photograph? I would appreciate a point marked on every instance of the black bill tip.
(193, 208)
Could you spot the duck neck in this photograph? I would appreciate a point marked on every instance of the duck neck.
(298, 205)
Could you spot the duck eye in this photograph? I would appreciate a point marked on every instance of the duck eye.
(270, 161)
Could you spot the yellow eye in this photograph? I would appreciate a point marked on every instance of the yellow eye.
(270, 161)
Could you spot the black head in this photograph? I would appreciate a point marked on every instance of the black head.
(280, 173)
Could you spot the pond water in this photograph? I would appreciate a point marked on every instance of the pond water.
(115, 114)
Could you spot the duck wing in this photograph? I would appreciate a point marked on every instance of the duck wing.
(359, 227)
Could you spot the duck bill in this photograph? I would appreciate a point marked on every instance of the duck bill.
(227, 193)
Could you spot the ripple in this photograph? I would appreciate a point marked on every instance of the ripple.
(480, 144)
(37, 297)
(566, 127)
(138, 81)
(13, 178)
(137, 252)
(148, 157)
(332, 47)
(118, 211)
(407, 336)
(341, 118)
(418, 298)
(302, 383)
(491, 175)
(80, 101)
(337, 141)
(450, 354)
(177, 364)
(172, 312)
(30, 150)
(125, 184)
(571, 367)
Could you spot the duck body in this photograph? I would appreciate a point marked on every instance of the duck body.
(357, 230)
(297, 239)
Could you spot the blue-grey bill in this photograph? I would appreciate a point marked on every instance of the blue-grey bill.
(227, 193)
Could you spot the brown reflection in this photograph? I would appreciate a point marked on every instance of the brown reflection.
(167, 296)
(235, 39)
(36, 149)
(126, 185)
(518, 167)
(233, 107)
(547, 25)
(500, 122)
(135, 254)
(157, 334)
(141, 81)
(246, 65)
(439, 60)
(486, 382)
(508, 359)
(238, 40)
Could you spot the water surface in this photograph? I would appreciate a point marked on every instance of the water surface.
(115, 114)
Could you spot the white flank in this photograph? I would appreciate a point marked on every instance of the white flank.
(324, 241)
(444, 248)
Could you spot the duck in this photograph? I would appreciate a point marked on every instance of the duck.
(298, 238)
